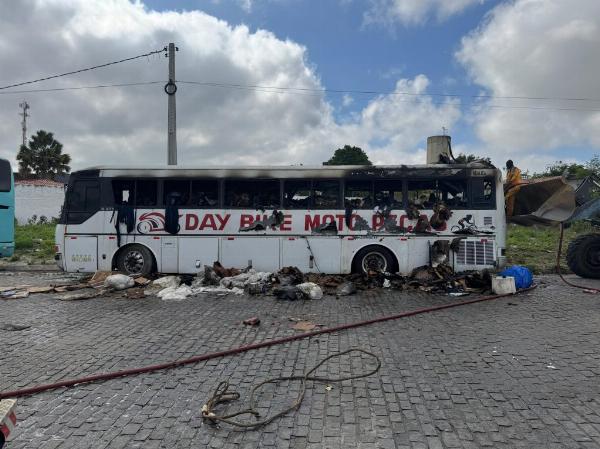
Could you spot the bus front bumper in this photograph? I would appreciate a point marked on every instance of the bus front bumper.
(7, 249)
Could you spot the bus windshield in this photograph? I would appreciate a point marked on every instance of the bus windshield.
(7, 210)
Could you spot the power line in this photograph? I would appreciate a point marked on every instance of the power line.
(375, 92)
(99, 86)
(313, 92)
(83, 70)
(305, 92)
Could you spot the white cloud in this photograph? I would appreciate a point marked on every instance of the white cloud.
(536, 48)
(347, 100)
(215, 125)
(414, 12)
(246, 5)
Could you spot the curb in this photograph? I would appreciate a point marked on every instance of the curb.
(28, 268)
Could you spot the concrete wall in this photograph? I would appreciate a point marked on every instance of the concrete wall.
(37, 200)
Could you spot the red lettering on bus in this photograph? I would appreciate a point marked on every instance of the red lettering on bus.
(208, 222)
(246, 220)
(353, 221)
(287, 223)
(311, 222)
(222, 220)
(340, 219)
(402, 220)
(191, 222)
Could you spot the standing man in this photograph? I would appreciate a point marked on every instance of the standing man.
(512, 185)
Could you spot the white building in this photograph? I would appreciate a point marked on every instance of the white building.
(39, 197)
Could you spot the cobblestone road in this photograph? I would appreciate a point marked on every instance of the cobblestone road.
(514, 372)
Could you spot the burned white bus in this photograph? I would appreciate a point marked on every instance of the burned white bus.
(329, 219)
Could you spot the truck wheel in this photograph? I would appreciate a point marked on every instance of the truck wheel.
(135, 259)
(374, 258)
(583, 256)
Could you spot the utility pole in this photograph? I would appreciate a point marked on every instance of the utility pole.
(24, 114)
(170, 89)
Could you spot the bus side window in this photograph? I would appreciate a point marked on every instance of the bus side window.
(388, 193)
(483, 193)
(423, 194)
(177, 192)
(453, 192)
(326, 194)
(358, 194)
(255, 194)
(146, 193)
(5, 176)
(123, 191)
(205, 193)
(296, 194)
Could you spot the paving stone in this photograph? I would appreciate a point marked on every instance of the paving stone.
(454, 378)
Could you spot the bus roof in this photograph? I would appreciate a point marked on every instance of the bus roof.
(290, 171)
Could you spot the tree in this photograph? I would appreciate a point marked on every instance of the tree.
(466, 158)
(43, 157)
(349, 156)
(593, 164)
(560, 168)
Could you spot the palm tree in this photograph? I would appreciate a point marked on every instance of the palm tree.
(43, 157)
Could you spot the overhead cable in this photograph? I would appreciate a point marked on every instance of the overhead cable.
(376, 92)
(314, 92)
(99, 86)
(83, 70)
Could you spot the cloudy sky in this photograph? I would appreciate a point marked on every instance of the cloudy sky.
(297, 79)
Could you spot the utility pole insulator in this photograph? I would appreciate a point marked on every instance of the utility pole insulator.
(170, 89)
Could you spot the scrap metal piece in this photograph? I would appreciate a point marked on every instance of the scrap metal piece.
(422, 226)
(275, 219)
(253, 321)
(328, 228)
(389, 222)
(441, 214)
(586, 189)
(440, 252)
(543, 201)
(413, 212)
(360, 224)
(587, 211)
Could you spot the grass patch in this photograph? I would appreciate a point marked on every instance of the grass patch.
(536, 246)
(34, 243)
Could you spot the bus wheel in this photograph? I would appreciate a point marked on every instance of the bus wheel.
(135, 259)
(374, 258)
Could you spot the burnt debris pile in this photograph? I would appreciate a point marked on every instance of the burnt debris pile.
(289, 283)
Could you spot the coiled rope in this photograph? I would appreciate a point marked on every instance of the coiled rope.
(222, 393)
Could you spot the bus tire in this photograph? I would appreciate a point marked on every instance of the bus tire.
(583, 256)
(135, 259)
(374, 257)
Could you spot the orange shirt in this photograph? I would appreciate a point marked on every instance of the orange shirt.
(513, 178)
